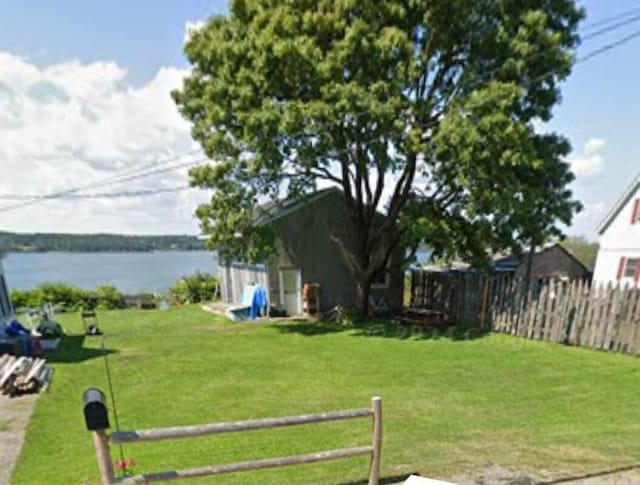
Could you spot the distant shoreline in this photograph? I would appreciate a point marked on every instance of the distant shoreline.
(104, 251)
(102, 243)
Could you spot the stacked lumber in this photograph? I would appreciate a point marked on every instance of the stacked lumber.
(23, 375)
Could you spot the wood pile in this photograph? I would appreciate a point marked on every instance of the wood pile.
(23, 375)
(424, 317)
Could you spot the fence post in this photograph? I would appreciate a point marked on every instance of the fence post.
(101, 444)
(96, 416)
(374, 474)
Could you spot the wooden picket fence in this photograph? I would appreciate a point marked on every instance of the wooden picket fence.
(570, 312)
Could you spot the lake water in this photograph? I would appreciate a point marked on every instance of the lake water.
(129, 272)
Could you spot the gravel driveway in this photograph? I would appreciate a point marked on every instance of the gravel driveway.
(496, 475)
(14, 416)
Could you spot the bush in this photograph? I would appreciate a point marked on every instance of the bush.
(68, 297)
(109, 297)
(196, 288)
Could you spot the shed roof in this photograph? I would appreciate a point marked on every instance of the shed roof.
(512, 262)
(620, 203)
(272, 211)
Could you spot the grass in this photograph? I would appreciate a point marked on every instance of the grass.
(450, 405)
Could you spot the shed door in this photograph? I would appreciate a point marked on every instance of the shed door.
(291, 290)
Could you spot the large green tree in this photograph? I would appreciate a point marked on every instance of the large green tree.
(423, 110)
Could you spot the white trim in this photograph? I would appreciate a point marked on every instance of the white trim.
(298, 288)
(619, 205)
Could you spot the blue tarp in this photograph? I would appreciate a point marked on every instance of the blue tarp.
(254, 303)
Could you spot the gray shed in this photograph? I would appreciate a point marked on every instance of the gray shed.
(306, 253)
(554, 262)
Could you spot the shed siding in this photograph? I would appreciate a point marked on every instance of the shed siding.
(233, 279)
(304, 241)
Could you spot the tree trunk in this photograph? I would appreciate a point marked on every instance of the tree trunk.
(363, 289)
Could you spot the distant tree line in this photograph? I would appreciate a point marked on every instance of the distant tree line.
(95, 242)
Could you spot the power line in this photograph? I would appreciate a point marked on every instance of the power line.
(105, 195)
(611, 28)
(104, 183)
(608, 47)
(613, 18)
(137, 173)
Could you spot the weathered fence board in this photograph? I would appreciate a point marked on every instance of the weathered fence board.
(571, 312)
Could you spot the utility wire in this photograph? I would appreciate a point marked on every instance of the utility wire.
(133, 174)
(613, 18)
(108, 180)
(61, 194)
(155, 163)
(104, 195)
(611, 28)
(608, 47)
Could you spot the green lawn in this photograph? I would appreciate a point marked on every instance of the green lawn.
(450, 405)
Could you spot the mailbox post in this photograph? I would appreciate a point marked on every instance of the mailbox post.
(97, 420)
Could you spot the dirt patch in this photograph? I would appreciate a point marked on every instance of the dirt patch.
(15, 416)
(496, 475)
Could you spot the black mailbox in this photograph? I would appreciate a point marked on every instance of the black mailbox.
(95, 409)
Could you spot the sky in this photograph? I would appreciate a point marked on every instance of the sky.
(84, 96)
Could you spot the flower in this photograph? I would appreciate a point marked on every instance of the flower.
(126, 467)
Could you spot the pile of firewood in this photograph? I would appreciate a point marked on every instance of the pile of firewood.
(23, 375)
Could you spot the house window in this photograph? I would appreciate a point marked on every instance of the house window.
(630, 268)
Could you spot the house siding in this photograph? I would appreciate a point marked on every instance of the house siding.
(608, 263)
(620, 239)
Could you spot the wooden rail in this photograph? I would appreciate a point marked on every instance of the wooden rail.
(217, 428)
(244, 466)
(101, 442)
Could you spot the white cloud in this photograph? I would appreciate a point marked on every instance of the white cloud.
(586, 222)
(190, 27)
(590, 161)
(72, 124)
(592, 212)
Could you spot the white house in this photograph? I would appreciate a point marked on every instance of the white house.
(619, 254)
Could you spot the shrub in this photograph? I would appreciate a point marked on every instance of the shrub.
(196, 288)
(109, 297)
(68, 297)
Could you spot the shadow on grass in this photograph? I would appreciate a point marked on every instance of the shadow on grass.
(383, 480)
(71, 350)
(382, 329)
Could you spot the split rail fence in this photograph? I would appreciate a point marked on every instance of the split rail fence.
(570, 312)
(101, 442)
